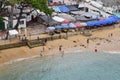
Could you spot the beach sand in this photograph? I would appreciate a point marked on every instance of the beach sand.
(100, 40)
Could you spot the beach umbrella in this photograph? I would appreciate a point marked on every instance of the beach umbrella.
(83, 24)
(77, 25)
(97, 23)
(66, 21)
(63, 8)
(51, 28)
(72, 25)
(104, 22)
(65, 26)
(90, 23)
(56, 9)
(58, 27)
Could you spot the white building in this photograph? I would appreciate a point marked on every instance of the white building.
(22, 24)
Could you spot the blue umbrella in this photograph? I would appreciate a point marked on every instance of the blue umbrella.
(97, 23)
(64, 8)
(58, 27)
(65, 26)
(90, 24)
(72, 25)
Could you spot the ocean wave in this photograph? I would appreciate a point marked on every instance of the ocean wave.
(20, 59)
(113, 52)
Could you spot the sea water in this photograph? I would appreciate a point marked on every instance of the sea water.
(71, 66)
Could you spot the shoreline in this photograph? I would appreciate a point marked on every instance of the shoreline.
(37, 56)
(99, 39)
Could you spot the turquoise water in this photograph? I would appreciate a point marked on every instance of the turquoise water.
(73, 66)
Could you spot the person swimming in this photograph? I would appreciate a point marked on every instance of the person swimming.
(41, 53)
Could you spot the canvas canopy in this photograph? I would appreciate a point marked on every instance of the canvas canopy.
(13, 32)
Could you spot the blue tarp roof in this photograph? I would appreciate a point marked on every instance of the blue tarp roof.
(64, 8)
(57, 9)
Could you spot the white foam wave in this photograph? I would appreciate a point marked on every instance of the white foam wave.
(20, 59)
(113, 52)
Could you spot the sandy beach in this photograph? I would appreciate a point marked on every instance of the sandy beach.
(102, 40)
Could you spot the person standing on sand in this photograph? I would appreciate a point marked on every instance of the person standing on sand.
(43, 49)
(111, 34)
(38, 38)
(62, 54)
(87, 42)
(95, 49)
(60, 48)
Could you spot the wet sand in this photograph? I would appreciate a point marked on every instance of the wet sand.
(100, 40)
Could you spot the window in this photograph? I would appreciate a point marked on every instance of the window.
(21, 22)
